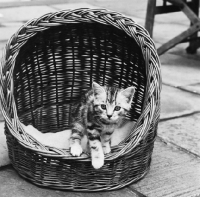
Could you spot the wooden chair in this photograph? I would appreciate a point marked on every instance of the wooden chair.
(190, 9)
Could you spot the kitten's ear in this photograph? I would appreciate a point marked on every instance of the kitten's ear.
(98, 90)
(128, 93)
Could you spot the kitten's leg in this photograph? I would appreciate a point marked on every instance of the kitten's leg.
(75, 139)
(106, 141)
(96, 149)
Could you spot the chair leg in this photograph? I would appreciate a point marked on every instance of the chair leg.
(176, 40)
(194, 44)
(150, 14)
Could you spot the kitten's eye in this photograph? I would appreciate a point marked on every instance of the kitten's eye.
(103, 106)
(117, 108)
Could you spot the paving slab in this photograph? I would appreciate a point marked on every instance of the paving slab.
(178, 18)
(176, 102)
(179, 71)
(4, 159)
(195, 88)
(72, 5)
(127, 6)
(173, 173)
(24, 13)
(2, 45)
(163, 32)
(18, 3)
(11, 0)
(180, 50)
(7, 32)
(183, 132)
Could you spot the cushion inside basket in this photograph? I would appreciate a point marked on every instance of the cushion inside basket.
(55, 66)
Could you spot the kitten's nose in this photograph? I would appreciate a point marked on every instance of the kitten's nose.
(109, 116)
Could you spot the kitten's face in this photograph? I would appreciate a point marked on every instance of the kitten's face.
(111, 103)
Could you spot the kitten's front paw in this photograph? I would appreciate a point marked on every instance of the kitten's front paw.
(76, 150)
(98, 162)
(106, 149)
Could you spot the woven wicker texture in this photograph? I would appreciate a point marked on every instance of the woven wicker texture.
(48, 64)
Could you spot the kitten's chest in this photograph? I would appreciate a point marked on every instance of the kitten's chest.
(101, 128)
(108, 127)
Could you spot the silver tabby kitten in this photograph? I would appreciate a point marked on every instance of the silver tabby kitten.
(99, 113)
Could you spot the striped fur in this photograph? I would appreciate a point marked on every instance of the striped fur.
(99, 113)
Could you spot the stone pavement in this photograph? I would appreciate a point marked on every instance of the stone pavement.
(175, 169)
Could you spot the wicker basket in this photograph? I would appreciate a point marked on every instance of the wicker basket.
(48, 64)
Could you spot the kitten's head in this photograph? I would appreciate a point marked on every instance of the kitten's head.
(112, 103)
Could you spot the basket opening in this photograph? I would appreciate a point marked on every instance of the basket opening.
(55, 66)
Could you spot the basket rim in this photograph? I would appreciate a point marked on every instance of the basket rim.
(103, 16)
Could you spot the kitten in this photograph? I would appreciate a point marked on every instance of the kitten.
(101, 111)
